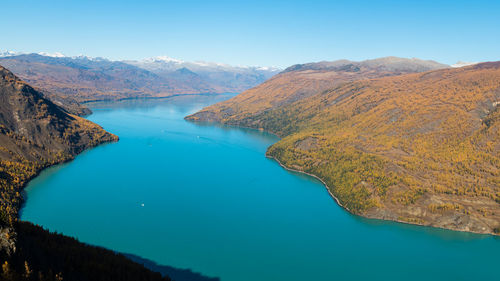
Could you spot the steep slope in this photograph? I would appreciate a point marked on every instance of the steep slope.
(69, 104)
(303, 80)
(418, 148)
(35, 133)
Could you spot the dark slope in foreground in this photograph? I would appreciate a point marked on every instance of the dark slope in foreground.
(34, 134)
(418, 148)
(41, 255)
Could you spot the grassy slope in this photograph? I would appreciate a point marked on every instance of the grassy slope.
(419, 148)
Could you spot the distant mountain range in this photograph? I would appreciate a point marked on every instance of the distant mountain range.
(223, 77)
(397, 139)
(86, 79)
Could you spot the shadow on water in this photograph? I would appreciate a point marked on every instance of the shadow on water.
(172, 272)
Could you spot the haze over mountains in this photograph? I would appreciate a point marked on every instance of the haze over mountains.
(85, 79)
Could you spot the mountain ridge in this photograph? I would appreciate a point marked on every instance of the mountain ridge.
(390, 63)
(301, 81)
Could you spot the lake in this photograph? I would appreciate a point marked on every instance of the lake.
(205, 197)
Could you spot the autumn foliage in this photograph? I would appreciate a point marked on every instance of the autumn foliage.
(421, 148)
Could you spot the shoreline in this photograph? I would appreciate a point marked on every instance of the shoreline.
(331, 193)
(45, 167)
(314, 176)
(375, 218)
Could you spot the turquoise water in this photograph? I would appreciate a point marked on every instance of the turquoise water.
(215, 204)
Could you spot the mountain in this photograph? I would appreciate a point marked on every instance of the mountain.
(420, 148)
(304, 80)
(8, 53)
(386, 64)
(222, 77)
(35, 133)
(87, 79)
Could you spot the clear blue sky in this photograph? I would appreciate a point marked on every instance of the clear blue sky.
(278, 33)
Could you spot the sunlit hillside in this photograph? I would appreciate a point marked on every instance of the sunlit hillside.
(420, 148)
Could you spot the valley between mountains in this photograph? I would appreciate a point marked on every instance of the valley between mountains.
(405, 140)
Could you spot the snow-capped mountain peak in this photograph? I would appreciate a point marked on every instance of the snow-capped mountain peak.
(462, 64)
(8, 53)
(166, 59)
(268, 68)
(53, 55)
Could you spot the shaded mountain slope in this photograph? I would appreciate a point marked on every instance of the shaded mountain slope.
(418, 148)
(69, 104)
(35, 133)
(303, 80)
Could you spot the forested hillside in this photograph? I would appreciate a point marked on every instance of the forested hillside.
(419, 148)
(44, 256)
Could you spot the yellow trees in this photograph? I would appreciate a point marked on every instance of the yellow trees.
(396, 143)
